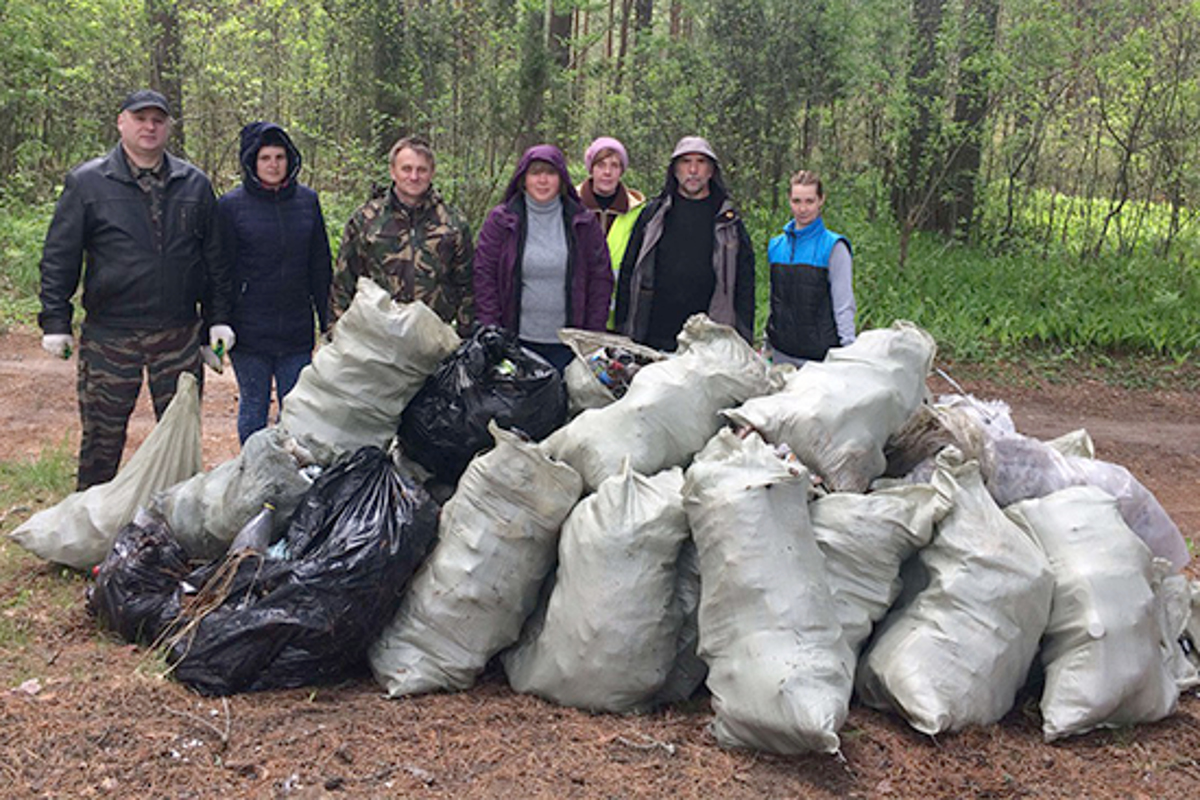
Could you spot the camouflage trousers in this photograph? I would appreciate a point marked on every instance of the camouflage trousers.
(111, 367)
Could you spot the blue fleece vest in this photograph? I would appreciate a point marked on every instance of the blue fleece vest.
(801, 323)
(810, 245)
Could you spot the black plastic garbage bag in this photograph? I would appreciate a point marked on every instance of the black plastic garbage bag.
(489, 376)
(135, 583)
(249, 622)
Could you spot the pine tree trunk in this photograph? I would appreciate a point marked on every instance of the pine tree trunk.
(166, 34)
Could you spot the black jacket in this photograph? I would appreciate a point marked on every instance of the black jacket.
(733, 299)
(132, 281)
(278, 247)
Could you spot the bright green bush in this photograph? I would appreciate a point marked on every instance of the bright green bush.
(22, 229)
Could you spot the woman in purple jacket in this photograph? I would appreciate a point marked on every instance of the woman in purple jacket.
(542, 263)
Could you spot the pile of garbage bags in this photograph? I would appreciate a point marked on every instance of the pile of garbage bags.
(255, 620)
(786, 540)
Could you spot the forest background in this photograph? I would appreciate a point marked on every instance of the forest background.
(1016, 176)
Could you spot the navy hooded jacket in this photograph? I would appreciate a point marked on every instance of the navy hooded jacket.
(276, 243)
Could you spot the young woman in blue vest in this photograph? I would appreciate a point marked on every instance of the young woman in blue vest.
(812, 281)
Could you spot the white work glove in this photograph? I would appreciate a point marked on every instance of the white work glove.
(222, 339)
(210, 359)
(59, 345)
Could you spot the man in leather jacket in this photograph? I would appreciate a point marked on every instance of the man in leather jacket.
(144, 223)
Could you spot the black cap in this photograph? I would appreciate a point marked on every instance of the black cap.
(146, 98)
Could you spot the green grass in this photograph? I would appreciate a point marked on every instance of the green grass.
(14, 633)
(1045, 221)
(982, 305)
(28, 484)
(1038, 365)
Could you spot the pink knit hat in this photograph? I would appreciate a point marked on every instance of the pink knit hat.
(605, 143)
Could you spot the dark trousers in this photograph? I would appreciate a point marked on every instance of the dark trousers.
(111, 368)
(255, 373)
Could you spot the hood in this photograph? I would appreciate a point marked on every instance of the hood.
(254, 136)
(695, 144)
(541, 152)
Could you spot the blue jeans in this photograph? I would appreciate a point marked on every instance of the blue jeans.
(255, 372)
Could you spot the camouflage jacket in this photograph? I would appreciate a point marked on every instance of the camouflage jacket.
(421, 253)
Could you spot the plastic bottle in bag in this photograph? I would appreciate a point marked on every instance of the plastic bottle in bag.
(255, 535)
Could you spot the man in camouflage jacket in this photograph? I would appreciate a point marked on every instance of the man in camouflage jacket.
(409, 241)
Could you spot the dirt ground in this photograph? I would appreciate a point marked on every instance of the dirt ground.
(84, 716)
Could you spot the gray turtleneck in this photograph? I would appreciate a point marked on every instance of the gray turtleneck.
(543, 272)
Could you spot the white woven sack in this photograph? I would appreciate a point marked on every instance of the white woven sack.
(497, 540)
(836, 415)
(206, 511)
(1018, 467)
(865, 538)
(81, 529)
(1074, 443)
(1193, 620)
(1104, 649)
(353, 392)
(670, 410)
(1139, 507)
(584, 389)
(688, 670)
(780, 671)
(1026, 468)
(957, 654)
(607, 639)
(1175, 595)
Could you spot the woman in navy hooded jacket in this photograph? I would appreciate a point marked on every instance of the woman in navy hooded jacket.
(275, 240)
(542, 261)
(812, 282)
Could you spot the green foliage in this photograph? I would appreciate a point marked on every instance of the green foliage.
(63, 67)
(761, 224)
(22, 229)
(1083, 232)
(980, 305)
(1048, 222)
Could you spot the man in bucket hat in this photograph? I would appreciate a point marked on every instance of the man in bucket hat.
(689, 252)
(144, 223)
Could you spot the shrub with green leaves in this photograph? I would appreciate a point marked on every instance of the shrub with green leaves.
(22, 231)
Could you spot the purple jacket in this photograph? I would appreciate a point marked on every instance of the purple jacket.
(589, 279)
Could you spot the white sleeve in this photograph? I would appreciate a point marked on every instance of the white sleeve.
(841, 291)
